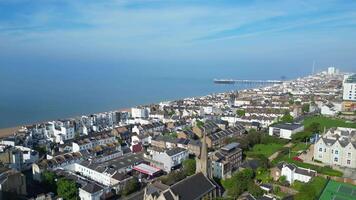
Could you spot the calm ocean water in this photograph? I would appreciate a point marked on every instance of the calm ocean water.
(35, 94)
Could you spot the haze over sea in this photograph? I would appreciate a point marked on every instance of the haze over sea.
(65, 58)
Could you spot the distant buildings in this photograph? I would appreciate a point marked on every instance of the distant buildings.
(93, 141)
(337, 147)
(285, 130)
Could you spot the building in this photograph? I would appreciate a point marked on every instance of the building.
(112, 174)
(139, 112)
(167, 159)
(12, 183)
(331, 108)
(195, 187)
(92, 141)
(285, 130)
(91, 191)
(59, 161)
(349, 92)
(226, 160)
(337, 147)
(217, 139)
(292, 173)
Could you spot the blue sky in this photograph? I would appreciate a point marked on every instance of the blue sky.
(167, 35)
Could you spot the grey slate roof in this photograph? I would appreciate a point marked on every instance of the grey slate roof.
(193, 187)
(288, 126)
(92, 188)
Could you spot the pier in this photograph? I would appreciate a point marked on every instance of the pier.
(233, 81)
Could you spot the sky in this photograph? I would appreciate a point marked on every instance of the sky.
(178, 36)
(62, 58)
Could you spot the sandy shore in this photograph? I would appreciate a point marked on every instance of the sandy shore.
(4, 132)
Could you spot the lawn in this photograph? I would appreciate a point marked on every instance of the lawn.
(328, 122)
(264, 149)
(337, 190)
(311, 190)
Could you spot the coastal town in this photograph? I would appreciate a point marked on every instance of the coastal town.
(295, 139)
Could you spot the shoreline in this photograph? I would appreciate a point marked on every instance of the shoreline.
(8, 131)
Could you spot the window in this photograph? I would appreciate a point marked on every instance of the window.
(336, 159)
(349, 155)
(332, 150)
(336, 152)
(325, 150)
(320, 149)
(348, 162)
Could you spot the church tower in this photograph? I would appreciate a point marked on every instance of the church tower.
(202, 162)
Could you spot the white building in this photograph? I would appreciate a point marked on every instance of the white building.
(92, 141)
(294, 173)
(167, 159)
(139, 112)
(337, 147)
(331, 108)
(349, 88)
(286, 130)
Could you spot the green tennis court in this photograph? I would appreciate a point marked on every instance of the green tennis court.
(338, 191)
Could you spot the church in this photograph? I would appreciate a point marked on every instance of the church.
(196, 187)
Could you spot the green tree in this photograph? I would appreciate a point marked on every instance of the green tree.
(301, 136)
(131, 187)
(240, 112)
(253, 138)
(189, 166)
(305, 108)
(199, 123)
(314, 127)
(255, 190)
(287, 118)
(238, 183)
(49, 180)
(67, 189)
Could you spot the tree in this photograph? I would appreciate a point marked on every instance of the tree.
(301, 136)
(189, 166)
(67, 189)
(199, 123)
(287, 118)
(255, 190)
(49, 180)
(238, 183)
(253, 138)
(131, 187)
(305, 108)
(314, 127)
(283, 180)
(240, 112)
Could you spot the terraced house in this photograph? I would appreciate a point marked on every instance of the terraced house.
(337, 147)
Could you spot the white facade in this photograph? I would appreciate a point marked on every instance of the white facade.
(168, 161)
(102, 178)
(139, 112)
(284, 132)
(335, 148)
(291, 173)
(331, 109)
(89, 143)
(349, 88)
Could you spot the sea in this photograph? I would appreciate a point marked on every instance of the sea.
(36, 94)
